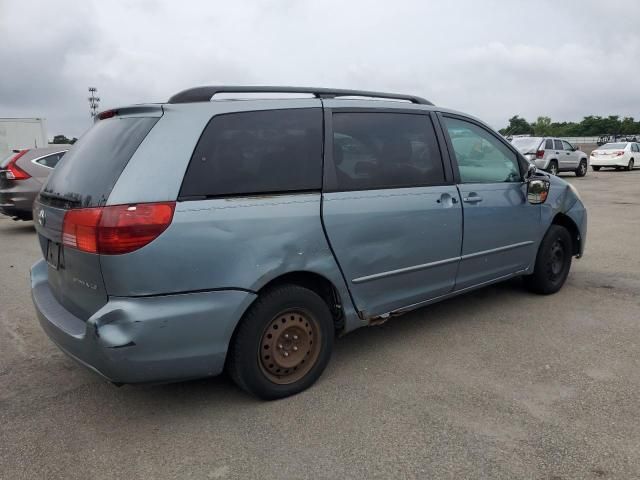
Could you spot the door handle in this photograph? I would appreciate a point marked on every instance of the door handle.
(447, 200)
(472, 198)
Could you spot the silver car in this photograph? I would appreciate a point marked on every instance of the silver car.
(185, 238)
(553, 154)
(22, 175)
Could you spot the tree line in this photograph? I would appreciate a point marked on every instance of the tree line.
(61, 139)
(590, 126)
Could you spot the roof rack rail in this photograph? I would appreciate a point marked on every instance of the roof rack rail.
(204, 94)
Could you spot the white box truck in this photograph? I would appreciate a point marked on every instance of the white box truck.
(16, 133)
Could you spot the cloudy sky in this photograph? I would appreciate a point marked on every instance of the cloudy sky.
(490, 58)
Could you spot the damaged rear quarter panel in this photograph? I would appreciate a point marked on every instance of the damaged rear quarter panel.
(231, 243)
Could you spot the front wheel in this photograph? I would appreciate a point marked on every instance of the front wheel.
(552, 262)
(282, 344)
(581, 171)
(630, 166)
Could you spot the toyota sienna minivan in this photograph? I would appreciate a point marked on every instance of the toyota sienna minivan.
(243, 234)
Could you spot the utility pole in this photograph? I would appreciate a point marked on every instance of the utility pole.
(94, 101)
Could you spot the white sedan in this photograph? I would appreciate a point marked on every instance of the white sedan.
(616, 155)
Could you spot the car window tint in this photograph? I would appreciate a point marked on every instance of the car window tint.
(385, 150)
(87, 173)
(257, 152)
(557, 144)
(548, 144)
(50, 160)
(635, 147)
(481, 157)
(566, 145)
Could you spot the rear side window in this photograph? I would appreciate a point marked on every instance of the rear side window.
(257, 152)
(385, 150)
(50, 160)
(548, 144)
(87, 173)
(557, 144)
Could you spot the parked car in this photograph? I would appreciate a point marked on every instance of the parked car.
(553, 154)
(604, 139)
(22, 175)
(184, 238)
(616, 155)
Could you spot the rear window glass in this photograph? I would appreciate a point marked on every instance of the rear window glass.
(257, 152)
(526, 144)
(385, 150)
(613, 146)
(87, 173)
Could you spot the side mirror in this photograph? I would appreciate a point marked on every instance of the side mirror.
(531, 171)
(537, 190)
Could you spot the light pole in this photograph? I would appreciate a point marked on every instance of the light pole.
(94, 101)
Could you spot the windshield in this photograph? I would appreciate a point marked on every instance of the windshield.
(526, 144)
(85, 176)
(613, 146)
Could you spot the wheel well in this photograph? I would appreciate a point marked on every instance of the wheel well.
(566, 222)
(318, 284)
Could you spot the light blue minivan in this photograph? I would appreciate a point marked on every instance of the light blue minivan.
(244, 234)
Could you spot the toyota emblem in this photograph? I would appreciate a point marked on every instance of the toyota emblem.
(42, 217)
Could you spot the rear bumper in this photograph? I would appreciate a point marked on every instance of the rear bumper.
(17, 200)
(149, 339)
(609, 162)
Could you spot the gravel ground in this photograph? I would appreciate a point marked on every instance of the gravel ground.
(499, 383)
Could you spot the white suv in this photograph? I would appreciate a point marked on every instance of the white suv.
(553, 155)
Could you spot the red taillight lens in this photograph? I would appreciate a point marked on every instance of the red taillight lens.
(80, 227)
(107, 114)
(116, 229)
(619, 153)
(14, 172)
(540, 154)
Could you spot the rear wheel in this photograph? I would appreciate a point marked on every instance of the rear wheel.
(630, 166)
(595, 168)
(552, 262)
(553, 167)
(581, 171)
(283, 343)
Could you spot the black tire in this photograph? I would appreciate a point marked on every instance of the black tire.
(581, 171)
(553, 262)
(595, 169)
(246, 363)
(630, 165)
(553, 168)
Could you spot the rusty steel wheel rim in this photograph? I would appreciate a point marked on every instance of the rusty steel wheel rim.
(289, 347)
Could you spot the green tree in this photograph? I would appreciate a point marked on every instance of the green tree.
(63, 139)
(542, 126)
(517, 126)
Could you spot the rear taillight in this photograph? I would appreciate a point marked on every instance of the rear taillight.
(540, 154)
(116, 229)
(14, 172)
(619, 153)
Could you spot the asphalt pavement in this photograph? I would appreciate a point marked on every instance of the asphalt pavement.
(499, 383)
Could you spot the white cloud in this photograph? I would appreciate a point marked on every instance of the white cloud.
(493, 59)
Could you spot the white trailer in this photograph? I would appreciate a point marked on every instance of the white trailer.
(18, 133)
